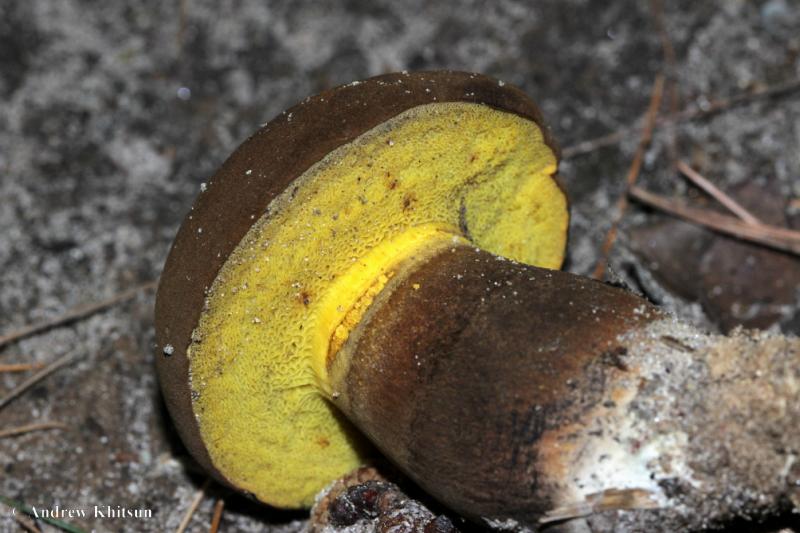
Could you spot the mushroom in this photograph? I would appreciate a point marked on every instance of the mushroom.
(378, 262)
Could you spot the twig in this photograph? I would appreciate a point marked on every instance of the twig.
(591, 145)
(671, 90)
(21, 430)
(82, 311)
(20, 367)
(217, 518)
(731, 204)
(657, 9)
(633, 174)
(198, 497)
(36, 378)
(743, 98)
(687, 115)
(778, 238)
(181, 33)
(21, 507)
(673, 97)
(607, 500)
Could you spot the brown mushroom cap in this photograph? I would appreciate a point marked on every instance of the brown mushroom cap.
(236, 197)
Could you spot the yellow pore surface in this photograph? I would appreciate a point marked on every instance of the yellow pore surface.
(305, 273)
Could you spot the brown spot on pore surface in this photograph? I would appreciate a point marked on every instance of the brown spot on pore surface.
(304, 298)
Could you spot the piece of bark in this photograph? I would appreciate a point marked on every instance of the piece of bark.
(737, 282)
(672, 250)
(365, 502)
(746, 284)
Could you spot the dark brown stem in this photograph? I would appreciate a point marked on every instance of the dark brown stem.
(523, 397)
(466, 360)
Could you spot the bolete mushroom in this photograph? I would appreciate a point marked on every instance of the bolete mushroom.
(303, 226)
(383, 251)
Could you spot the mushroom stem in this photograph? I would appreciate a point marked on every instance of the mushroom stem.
(526, 397)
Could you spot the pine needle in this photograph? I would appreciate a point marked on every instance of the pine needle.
(783, 239)
(36, 378)
(198, 498)
(217, 517)
(76, 313)
(39, 426)
(732, 205)
(20, 367)
(633, 174)
(687, 115)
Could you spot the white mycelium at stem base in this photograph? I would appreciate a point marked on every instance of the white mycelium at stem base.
(693, 430)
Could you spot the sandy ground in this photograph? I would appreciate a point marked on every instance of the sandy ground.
(112, 114)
